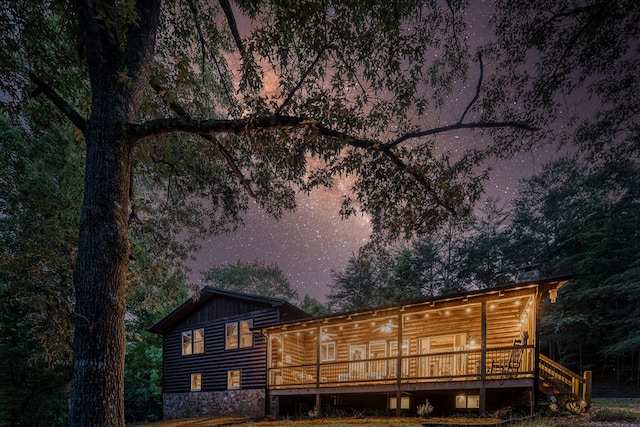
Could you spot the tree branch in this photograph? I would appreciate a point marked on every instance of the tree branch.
(226, 7)
(61, 104)
(478, 87)
(418, 177)
(204, 127)
(301, 81)
(182, 113)
(458, 126)
(194, 12)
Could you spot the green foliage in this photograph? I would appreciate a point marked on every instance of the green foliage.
(556, 58)
(254, 278)
(41, 171)
(314, 307)
(143, 377)
(355, 287)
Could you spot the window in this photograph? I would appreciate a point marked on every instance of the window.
(198, 341)
(196, 382)
(246, 336)
(231, 333)
(238, 334)
(187, 341)
(193, 342)
(233, 380)
(327, 351)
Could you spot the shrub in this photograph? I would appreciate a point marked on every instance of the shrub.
(425, 409)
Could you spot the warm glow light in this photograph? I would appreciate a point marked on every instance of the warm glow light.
(426, 316)
(468, 310)
(492, 306)
(446, 313)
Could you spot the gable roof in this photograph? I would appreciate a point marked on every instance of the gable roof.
(207, 293)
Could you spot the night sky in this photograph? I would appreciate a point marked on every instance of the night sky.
(309, 243)
(314, 240)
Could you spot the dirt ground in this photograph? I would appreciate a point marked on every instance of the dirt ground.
(604, 413)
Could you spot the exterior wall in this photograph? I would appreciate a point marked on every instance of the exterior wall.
(239, 403)
(211, 314)
(214, 363)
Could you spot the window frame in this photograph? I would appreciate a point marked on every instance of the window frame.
(192, 342)
(187, 343)
(238, 334)
(196, 382)
(231, 339)
(245, 333)
(198, 341)
(234, 377)
(328, 351)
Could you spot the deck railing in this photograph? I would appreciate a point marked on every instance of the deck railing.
(502, 362)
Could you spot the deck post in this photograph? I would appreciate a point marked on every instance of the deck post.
(318, 408)
(587, 375)
(399, 367)
(483, 359)
(536, 353)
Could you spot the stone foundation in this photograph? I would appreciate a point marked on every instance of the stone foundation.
(237, 403)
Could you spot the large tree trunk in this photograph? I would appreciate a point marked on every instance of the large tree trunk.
(100, 273)
(117, 79)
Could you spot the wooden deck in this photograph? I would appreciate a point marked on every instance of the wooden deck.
(478, 342)
(421, 371)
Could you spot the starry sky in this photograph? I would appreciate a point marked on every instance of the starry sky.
(311, 242)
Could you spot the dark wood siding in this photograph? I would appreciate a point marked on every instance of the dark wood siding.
(220, 307)
(216, 361)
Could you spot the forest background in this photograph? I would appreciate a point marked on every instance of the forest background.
(579, 215)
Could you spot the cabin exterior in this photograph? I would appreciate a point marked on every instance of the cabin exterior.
(472, 352)
(214, 360)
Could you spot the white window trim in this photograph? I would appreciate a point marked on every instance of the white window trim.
(328, 351)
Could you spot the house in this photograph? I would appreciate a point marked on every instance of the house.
(214, 361)
(474, 351)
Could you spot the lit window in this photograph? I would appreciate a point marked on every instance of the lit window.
(327, 351)
(193, 342)
(198, 341)
(186, 343)
(231, 334)
(196, 382)
(246, 336)
(238, 334)
(233, 380)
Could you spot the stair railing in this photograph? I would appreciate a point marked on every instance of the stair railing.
(570, 383)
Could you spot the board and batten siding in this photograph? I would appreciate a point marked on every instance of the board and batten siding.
(216, 361)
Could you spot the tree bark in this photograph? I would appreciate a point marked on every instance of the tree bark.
(100, 275)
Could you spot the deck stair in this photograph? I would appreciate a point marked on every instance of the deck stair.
(562, 385)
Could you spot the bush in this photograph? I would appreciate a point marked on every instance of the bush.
(425, 409)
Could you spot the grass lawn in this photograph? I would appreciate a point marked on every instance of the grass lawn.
(603, 413)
